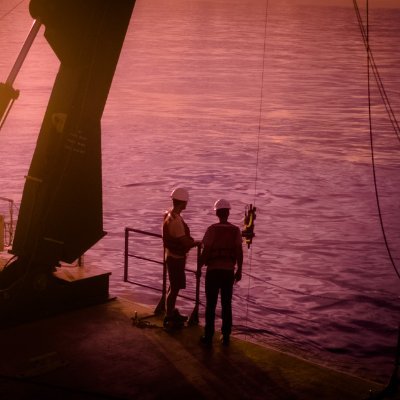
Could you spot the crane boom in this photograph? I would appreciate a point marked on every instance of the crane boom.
(61, 213)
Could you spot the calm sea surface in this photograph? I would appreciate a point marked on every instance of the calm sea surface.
(184, 109)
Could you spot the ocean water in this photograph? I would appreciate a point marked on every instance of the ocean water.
(261, 102)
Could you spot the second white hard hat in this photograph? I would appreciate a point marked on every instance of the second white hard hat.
(222, 203)
(180, 194)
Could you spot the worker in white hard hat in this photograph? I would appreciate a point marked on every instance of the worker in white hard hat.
(222, 251)
(177, 243)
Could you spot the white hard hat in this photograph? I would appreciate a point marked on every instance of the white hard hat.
(222, 203)
(180, 194)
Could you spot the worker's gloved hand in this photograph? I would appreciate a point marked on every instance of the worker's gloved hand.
(238, 276)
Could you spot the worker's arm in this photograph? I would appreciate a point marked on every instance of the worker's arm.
(239, 257)
(188, 242)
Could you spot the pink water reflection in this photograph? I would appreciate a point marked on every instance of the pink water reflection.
(184, 108)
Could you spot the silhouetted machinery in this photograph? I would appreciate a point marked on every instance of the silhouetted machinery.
(61, 214)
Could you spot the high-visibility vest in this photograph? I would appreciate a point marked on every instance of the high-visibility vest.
(173, 244)
(224, 243)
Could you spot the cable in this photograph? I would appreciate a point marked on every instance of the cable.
(261, 104)
(258, 147)
(381, 88)
(373, 151)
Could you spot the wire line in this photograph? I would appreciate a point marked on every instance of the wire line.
(371, 135)
(374, 67)
(258, 149)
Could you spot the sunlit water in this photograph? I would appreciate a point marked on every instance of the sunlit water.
(184, 108)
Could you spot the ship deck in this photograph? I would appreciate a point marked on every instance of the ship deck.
(98, 353)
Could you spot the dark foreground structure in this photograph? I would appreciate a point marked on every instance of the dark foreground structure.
(61, 212)
(98, 353)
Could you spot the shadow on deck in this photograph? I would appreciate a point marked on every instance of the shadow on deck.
(97, 353)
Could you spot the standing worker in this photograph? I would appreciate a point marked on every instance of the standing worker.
(177, 243)
(221, 252)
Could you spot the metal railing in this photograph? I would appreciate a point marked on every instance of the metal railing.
(160, 308)
(8, 223)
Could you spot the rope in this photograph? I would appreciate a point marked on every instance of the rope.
(261, 104)
(250, 252)
(371, 64)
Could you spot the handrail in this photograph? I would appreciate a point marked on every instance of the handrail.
(160, 308)
(8, 225)
(144, 232)
(127, 254)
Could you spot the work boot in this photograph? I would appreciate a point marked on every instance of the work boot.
(166, 321)
(206, 341)
(224, 339)
(178, 317)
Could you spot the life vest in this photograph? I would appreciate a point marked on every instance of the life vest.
(173, 244)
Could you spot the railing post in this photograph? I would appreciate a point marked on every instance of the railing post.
(160, 309)
(81, 261)
(194, 317)
(2, 233)
(11, 224)
(126, 252)
(8, 226)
